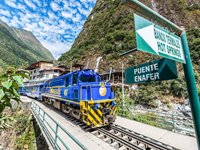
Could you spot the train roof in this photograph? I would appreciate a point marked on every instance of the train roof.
(77, 71)
(35, 84)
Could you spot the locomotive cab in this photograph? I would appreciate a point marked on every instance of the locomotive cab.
(99, 96)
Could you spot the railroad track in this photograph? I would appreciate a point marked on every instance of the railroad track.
(120, 137)
(125, 139)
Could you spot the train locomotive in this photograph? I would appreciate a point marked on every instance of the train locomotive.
(82, 95)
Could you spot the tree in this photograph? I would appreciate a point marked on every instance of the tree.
(10, 81)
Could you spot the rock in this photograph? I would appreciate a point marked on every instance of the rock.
(165, 108)
(187, 108)
(187, 102)
(177, 107)
(134, 87)
(158, 103)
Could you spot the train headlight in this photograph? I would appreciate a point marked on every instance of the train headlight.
(102, 91)
(96, 106)
(113, 103)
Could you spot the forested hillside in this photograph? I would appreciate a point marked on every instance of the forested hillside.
(109, 30)
(19, 47)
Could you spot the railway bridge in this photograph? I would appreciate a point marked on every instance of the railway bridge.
(64, 132)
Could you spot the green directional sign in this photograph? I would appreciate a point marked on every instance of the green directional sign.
(158, 70)
(153, 39)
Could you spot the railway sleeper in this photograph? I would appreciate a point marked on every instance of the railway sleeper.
(125, 137)
(133, 141)
(141, 145)
(100, 135)
(107, 139)
(118, 145)
(122, 148)
(111, 141)
(114, 144)
(95, 132)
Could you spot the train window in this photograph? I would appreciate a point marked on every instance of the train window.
(99, 79)
(75, 79)
(86, 78)
(67, 81)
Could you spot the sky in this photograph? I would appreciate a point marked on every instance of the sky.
(55, 23)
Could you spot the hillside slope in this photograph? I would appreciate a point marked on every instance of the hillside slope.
(109, 30)
(19, 47)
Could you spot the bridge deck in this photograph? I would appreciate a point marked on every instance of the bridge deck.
(92, 142)
(86, 138)
(179, 141)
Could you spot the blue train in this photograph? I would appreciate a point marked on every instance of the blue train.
(22, 90)
(35, 90)
(80, 94)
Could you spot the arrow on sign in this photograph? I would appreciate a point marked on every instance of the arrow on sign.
(156, 40)
(167, 69)
(147, 34)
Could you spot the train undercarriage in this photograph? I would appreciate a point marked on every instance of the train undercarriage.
(93, 114)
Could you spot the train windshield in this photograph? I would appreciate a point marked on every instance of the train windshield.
(87, 78)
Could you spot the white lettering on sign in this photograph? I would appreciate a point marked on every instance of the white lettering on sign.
(146, 77)
(161, 42)
(146, 73)
(145, 69)
(168, 44)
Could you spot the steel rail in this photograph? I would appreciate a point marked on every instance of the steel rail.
(144, 140)
(139, 138)
(120, 140)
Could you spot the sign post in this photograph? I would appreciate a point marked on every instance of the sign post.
(191, 87)
(188, 68)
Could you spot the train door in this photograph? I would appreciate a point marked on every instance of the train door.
(66, 91)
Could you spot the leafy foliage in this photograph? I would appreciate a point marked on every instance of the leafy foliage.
(18, 123)
(26, 131)
(109, 30)
(5, 121)
(9, 86)
(194, 43)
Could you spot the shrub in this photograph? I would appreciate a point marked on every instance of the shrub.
(9, 85)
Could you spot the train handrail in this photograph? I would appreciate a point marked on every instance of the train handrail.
(40, 114)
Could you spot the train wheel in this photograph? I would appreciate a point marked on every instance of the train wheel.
(65, 109)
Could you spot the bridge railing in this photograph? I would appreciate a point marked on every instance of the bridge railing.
(53, 130)
(172, 122)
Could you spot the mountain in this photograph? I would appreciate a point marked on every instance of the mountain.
(109, 30)
(20, 47)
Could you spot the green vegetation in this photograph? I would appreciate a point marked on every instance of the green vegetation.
(18, 124)
(194, 43)
(104, 33)
(15, 118)
(128, 111)
(9, 86)
(19, 47)
(109, 30)
(26, 131)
